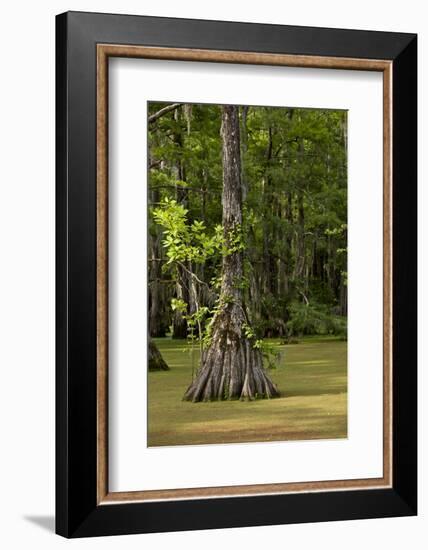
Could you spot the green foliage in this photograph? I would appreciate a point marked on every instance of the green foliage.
(342, 253)
(315, 319)
(235, 241)
(293, 235)
(178, 305)
(270, 353)
(185, 241)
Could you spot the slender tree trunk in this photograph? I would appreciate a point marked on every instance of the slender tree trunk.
(179, 323)
(300, 261)
(157, 317)
(299, 265)
(182, 287)
(269, 265)
(232, 367)
(157, 322)
(156, 361)
(289, 241)
(343, 298)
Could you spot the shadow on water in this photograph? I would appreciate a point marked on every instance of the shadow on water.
(312, 392)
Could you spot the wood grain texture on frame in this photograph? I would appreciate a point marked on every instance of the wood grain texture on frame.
(102, 276)
(104, 51)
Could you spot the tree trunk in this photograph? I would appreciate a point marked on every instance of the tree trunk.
(268, 261)
(157, 321)
(343, 298)
(156, 361)
(231, 366)
(179, 323)
(182, 292)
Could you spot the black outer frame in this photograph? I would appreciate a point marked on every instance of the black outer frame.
(77, 513)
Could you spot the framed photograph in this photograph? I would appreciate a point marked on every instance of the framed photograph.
(236, 274)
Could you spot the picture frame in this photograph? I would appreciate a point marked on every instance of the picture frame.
(84, 44)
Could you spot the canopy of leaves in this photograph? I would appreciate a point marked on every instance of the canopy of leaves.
(294, 233)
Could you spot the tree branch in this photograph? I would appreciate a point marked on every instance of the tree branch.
(163, 111)
(193, 275)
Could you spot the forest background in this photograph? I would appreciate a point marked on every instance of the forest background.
(294, 194)
(247, 255)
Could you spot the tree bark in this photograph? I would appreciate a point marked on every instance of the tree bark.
(156, 361)
(158, 323)
(231, 366)
(244, 149)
